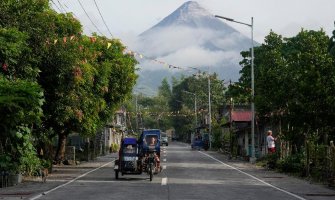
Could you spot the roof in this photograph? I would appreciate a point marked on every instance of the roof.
(241, 116)
(129, 141)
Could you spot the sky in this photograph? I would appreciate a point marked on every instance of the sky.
(128, 18)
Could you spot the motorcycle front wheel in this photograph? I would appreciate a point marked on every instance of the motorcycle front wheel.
(151, 171)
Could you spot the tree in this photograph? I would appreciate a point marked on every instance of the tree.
(20, 108)
(293, 81)
(85, 82)
(84, 78)
(312, 75)
(182, 101)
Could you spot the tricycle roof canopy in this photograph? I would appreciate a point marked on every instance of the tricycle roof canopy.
(129, 141)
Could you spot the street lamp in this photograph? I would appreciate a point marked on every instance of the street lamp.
(195, 106)
(252, 83)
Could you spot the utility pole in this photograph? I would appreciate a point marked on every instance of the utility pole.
(209, 111)
(253, 157)
(136, 111)
(195, 107)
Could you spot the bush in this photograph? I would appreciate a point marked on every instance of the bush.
(271, 160)
(114, 148)
(292, 164)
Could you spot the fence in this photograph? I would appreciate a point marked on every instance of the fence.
(317, 160)
(320, 162)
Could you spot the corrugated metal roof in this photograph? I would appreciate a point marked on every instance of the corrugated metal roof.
(241, 116)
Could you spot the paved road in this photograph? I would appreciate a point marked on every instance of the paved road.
(187, 174)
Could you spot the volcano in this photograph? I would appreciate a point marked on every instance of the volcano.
(190, 37)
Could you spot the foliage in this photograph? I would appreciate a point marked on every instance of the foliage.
(294, 80)
(20, 105)
(29, 162)
(182, 100)
(21, 97)
(13, 46)
(292, 164)
(294, 87)
(151, 111)
(114, 148)
(20, 155)
(7, 163)
(83, 79)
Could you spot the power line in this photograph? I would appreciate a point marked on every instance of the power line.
(102, 18)
(90, 18)
(61, 6)
(56, 6)
(63, 3)
(132, 52)
(66, 5)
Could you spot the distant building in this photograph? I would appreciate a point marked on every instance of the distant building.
(112, 133)
(238, 121)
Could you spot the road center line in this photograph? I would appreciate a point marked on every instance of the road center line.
(268, 184)
(164, 181)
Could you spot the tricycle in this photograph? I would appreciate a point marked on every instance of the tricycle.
(128, 162)
(149, 151)
(137, 156)
(200, 141)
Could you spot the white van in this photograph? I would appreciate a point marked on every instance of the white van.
(164, 139)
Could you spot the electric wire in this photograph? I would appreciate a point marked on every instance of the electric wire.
(61, 6)
(56, 6)
(81, 5)
(142, 56)
(103, 18)
(63, 3)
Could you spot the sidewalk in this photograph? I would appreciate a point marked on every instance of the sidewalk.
(280, 181)
(61, 174)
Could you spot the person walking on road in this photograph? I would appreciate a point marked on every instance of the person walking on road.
(271, 142)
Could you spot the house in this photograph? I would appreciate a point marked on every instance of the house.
(238, 122)
(116, 129)
(112, 133)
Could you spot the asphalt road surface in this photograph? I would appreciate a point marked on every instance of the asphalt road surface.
(188, 174)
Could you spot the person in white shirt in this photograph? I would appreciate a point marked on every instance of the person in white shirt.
(271, 142)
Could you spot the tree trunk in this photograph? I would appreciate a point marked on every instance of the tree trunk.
(60, 154)
(307, 157)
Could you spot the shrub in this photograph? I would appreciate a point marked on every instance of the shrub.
(292, 164)
(114, 148)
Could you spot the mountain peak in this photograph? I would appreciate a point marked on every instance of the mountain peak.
(191, 9)
(187, 14)
(191, 36)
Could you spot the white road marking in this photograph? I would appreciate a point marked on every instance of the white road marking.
(164, 166)
(71, 181)
(268, 184)
(164, 181)
(164, 160)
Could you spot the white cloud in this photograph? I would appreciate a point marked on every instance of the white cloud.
(199, 57)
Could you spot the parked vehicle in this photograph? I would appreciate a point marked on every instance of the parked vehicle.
(197, 143)
(164, 139)
(200, 141)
